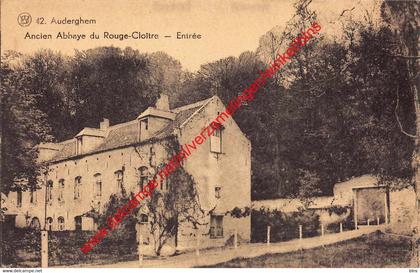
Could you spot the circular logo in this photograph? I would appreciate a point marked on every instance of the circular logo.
(24, 19)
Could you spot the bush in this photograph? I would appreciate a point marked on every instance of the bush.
(8, 250)
(18, 239)
(64, 247)
(284, 226)
(348, 222)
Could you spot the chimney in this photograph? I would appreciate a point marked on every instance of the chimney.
(162, 103)
(103, 125)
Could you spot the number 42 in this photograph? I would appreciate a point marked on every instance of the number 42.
(40, 21)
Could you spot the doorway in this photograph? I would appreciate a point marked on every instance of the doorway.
(371, 205)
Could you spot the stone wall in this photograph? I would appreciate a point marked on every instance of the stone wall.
(402, 208)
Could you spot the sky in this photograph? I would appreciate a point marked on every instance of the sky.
(228, 28)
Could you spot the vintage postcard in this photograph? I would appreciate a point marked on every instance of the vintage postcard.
(210, 134)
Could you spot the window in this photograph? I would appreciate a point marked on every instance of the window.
(143, 128)
(49, 223)
(79, 144)
(78, 222)
(216, 226)
(61, 223)
(119, 176)
(217, 191)
(19, 198)
(144, 219)
(77, 186)
(50, 185)
(61, 190)
(98, 184)
(144, 176)
(145, 124)
(33, 196)
(35, 224)
(216, 141)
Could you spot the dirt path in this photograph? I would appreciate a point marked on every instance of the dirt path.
(215, 256)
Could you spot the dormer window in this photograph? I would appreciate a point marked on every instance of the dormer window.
(143, 128)
(145, 124)
(154, 119)
(88, 139)
(79, 143)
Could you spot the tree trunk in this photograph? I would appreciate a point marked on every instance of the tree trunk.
(176, 235)
(158, 248)
(405, 25)
(415, 261)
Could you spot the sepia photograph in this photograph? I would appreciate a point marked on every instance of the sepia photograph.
(144, 134)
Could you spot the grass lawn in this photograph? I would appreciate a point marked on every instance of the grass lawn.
(373, 250)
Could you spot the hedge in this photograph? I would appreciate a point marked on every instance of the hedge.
(18, 239)
(284, 226)
(63, 247)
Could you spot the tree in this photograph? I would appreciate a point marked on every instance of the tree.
(337, 115)
(126, 229)
(167, 74)
(179, 205)
(309, 187)
(45, 74)
(109, 82)
(23, 123)
(403, 19)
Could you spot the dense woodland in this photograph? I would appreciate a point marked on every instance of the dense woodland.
(340, 109)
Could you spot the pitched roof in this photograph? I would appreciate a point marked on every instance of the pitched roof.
(126, 134)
